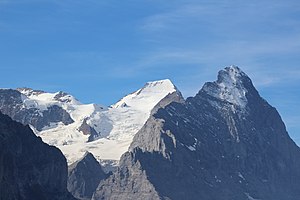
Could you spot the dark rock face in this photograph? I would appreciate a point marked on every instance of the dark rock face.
(60, 95)
(29, 168)
(53, 114)
(88, 130)
(84, 177)
(12, 105)
(225, 143)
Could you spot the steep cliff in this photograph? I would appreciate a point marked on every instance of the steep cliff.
(29, 168)
(225, 143)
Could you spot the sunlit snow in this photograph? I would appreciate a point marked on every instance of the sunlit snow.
(116, 124)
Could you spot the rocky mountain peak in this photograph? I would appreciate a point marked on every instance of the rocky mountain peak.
(231, 86)
(29, 91)
(65, 98)
(204, 148)
(84, 176)
(233, 72)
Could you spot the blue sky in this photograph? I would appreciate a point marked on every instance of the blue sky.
(100, 50)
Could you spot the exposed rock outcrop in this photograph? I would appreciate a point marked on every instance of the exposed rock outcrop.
(225, 143)
(88, 130)
(29, 168)
(84, 177)
(11, 104)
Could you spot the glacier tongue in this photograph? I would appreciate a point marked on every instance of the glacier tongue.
(116, 124)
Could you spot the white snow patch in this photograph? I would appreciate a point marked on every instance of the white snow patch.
(116, 124)
(250, 197)
(241, 176)
(191, 148)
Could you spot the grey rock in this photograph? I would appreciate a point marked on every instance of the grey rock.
(30, 91)
(210, 147)
(12, 105)
(84, 176)
(109, 166)
(129, 182)
(61, 94)
(88, 130)
(29, 168)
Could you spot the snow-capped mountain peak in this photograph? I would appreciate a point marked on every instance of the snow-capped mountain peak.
(230, 75)
(65, 98)
(42, 97)
(165, 84)
(105, 131)
(29, 91)
(229, 87)
(148, 96)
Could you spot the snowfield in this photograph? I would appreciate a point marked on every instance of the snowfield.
(116, 125)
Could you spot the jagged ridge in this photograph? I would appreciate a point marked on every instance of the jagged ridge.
(84, 176)
(63, 121)
(210, 147)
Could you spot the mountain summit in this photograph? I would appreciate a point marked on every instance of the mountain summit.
(148, 96)
(232, 86)
(61, 120)
(226, 143)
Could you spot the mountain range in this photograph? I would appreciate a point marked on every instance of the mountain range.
(61, 120)
(226, 142)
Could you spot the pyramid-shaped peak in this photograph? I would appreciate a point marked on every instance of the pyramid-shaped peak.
(151, 88)
(148, 96)
(166, 83)
(231, 75)
(84, 176)
(231, 86)
(88, 157)
(234, 70)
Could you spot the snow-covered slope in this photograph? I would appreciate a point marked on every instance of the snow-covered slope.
(131, 112)
(42, 100)
(114, 126)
